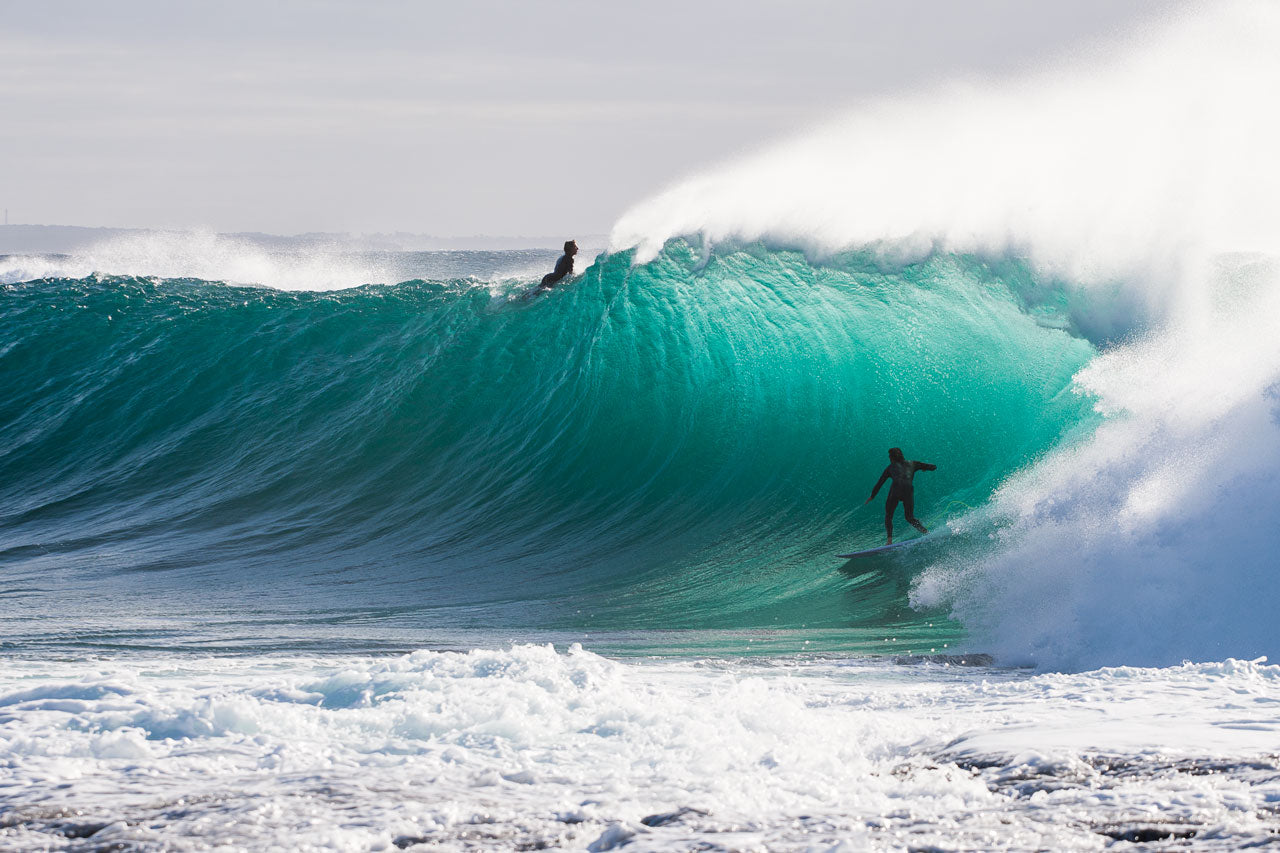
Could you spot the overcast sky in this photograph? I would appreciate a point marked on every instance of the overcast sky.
(459, 118)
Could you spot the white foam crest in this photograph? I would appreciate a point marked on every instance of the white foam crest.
(207, 256)
(1132, 169)
(18, 268)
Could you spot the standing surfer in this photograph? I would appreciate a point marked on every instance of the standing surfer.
(564, 266)
(901, 471)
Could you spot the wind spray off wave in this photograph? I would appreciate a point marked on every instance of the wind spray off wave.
(1150, 184)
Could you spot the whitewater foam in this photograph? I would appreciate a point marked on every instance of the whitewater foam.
(526, 746)
(1156, 538)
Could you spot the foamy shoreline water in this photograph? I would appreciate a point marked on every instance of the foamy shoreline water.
(530, 747)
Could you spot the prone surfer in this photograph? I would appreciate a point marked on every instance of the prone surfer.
(901, 471)
(564, 266)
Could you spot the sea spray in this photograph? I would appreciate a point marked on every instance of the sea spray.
(1147, 182)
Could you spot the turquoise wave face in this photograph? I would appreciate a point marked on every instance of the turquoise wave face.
(679, 445)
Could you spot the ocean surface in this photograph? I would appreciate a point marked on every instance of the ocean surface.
(304, 548)
(674, 447)
(440, 563)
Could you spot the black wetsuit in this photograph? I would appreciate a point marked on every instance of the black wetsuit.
(901, 490)
(564, 267)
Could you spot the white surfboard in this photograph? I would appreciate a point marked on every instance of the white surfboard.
(901, 543)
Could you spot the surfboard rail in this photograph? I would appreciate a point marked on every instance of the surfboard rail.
(901, 543)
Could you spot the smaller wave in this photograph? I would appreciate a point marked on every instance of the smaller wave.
(278, 263)
(207, 256)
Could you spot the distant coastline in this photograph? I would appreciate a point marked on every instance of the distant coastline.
(67, 239)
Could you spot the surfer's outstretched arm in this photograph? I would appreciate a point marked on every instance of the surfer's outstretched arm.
(924, 466)
(879, 483)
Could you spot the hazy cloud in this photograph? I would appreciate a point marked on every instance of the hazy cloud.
(495, 117)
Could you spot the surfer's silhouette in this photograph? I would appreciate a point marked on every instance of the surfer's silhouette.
(564, 266)
(901, 471)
